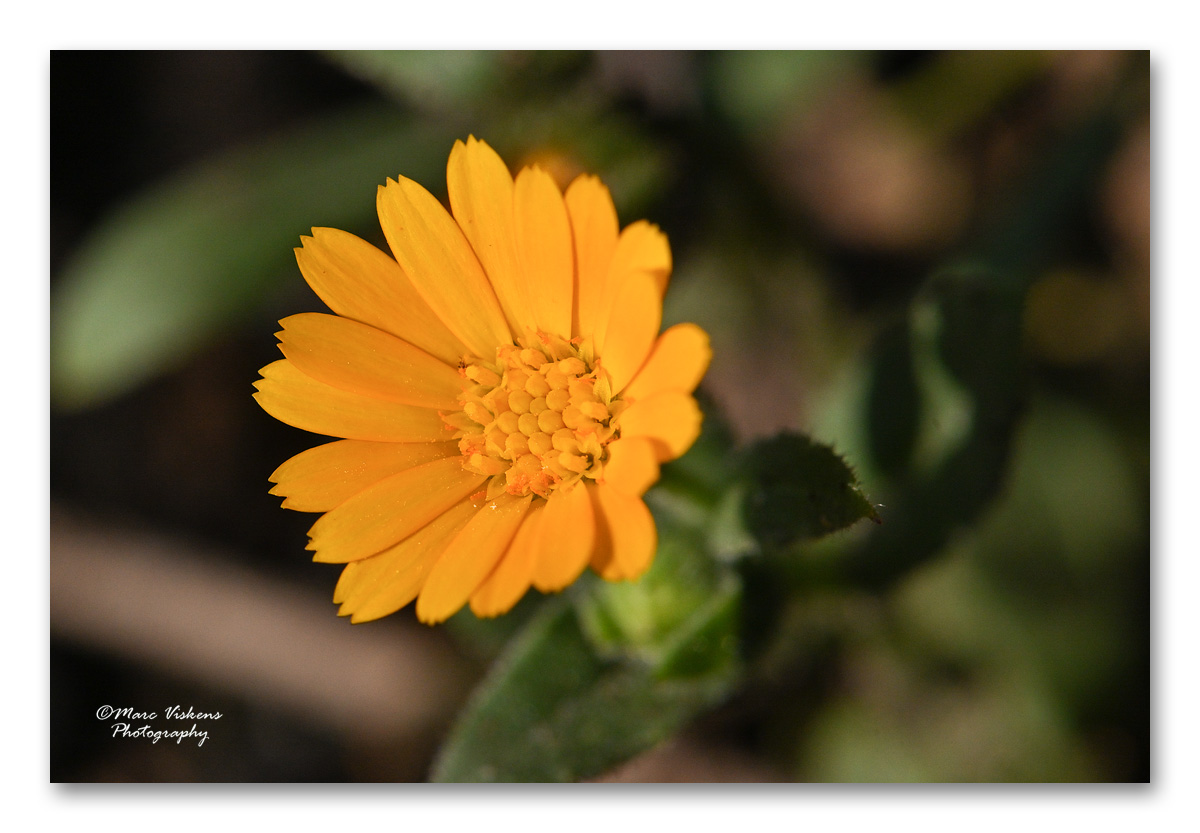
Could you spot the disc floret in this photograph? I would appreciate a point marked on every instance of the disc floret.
(538, 418)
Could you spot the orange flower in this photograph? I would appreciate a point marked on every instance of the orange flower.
(502, 387)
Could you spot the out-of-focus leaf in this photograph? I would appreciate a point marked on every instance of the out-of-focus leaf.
(799, 490)
(980, 338)
(553, 708)
(977, 336)
(1052, 584)
(487, 638)
(1066, 546)
(705, 646)
(644, 619)
(947, 407)
(1026, 227)
(972, 313)
(893, 401)
(960, 87)
(760, 89)
(438, 78)
(192, 254)
(909, 727)
(726, 535)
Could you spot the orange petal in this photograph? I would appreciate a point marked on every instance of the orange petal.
(544, 249)
(470, 557)
(635, 320)
(362, 579)
(358, 281)
(677, 362)
(363, 359)
(594, 229)
(632, 465)
(321, 478)
(384, 583)
(300, 400)
(671, 420)
(481, 196)
(439, 261)
(642, 247)
(626, 538)
(514, 573)
(565, 543)
(390, 510)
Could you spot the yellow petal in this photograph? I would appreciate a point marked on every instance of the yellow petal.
(671, 420)
(384, 583)
(544, 249)
(632, 465)
(642, 247)
(677, 362)
(626, 538)
(594, 229)
(358, 281)
(321, 478)
(635, 320)
(346, 581)
(566, 539)
(469, 557)
(300, 400)
(439, 261)
(389, 511)
(363, 359)
(362, 579)
(481, 196)
(514, 573)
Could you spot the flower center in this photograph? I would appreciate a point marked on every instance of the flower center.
(537, 419)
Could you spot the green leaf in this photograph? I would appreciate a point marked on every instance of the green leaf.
(761, 89)
(968, 334)
(195, 253)
(893, 401)
(439, 77)
(959, 88)
(555, 709)
(799, 490)
(605, 672)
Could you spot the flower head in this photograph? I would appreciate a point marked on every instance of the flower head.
(501, 388)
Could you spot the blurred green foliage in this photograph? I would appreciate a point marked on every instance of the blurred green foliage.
(180, 265)
(994, 625)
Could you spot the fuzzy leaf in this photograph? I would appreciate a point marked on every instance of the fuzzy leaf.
(604, 672)
(554, 709)
(799, 489)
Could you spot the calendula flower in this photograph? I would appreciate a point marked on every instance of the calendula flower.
(501, 388)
